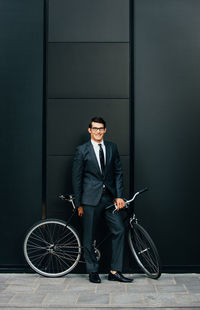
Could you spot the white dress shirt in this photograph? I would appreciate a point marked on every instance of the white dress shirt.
(96, 150)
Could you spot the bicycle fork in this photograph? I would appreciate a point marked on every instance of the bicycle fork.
(133, 218)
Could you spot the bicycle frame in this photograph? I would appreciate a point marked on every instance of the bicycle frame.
(70, 198)
(56, 241)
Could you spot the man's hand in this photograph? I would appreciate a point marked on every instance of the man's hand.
(120, 203)
(80, 211)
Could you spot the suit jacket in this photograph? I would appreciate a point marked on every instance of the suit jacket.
(87, 178)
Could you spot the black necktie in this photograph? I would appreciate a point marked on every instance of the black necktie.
(101, 157)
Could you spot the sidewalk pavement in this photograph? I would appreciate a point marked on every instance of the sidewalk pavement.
(74, 291)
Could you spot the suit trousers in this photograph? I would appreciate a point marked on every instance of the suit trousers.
(116, 226)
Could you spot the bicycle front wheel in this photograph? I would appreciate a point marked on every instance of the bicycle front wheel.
(144, 251)
(52, 248)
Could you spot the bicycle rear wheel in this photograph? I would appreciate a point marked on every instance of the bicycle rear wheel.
(144, 251)
(52, 248)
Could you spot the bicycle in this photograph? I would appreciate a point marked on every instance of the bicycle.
(52, 247)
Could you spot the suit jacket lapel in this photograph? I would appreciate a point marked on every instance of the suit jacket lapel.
(108, 154)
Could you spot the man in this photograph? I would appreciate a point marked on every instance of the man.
(97, 182)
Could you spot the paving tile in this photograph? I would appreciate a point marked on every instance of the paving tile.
(28, 308)
(159, 300)
(82, 288)
(5, 298)
(192, 289)
(185, 275)
(20, 288)
(165, 279)
(24, 276)
(111, 288)
(171, 289)
(182, 308)
(93, 299)
(55, 287)
(85, 283)
(190, 279)
(25, 308)
(141, 280)
(43, 280)
(99, 308)
(126, 299)
(32, 291)
(21, 280)
(2, 287)
(103, 308)
(4, 277)
(147, 288)
(25, 299)
(111, 307)
(188, 300)
(191, 283)
(60, 299)
(77, 277)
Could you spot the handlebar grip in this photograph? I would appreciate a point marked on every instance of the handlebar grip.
(60, 196)
(143, 190)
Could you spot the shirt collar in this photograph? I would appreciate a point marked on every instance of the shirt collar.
(95, 144)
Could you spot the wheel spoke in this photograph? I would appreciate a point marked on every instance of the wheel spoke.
(52, 248)
(144, 251)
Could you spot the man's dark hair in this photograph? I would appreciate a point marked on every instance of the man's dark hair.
(97, 119)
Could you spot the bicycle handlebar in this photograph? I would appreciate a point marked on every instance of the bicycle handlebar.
(132, 199)
(71, 197)
(143, 190)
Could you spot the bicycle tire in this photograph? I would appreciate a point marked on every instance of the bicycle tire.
(144, 251)
(52, 248)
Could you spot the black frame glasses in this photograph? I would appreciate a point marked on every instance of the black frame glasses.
(95, 129)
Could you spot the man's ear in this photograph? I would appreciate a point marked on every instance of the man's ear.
(105, 130)
(89, 130)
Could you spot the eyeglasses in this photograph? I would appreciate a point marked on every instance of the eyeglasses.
(95, 129)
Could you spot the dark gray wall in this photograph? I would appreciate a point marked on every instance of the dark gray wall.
(88, 68)
(166, 105)
(88, 75)
(21, 80)
(88, 21)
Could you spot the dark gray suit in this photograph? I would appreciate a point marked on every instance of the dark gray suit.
(88, 184)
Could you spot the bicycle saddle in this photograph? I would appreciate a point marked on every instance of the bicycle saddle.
(67, 197)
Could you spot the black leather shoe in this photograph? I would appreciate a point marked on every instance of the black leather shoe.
(118, 276)
(94, 277)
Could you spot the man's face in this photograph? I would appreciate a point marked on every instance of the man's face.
(97, 132)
